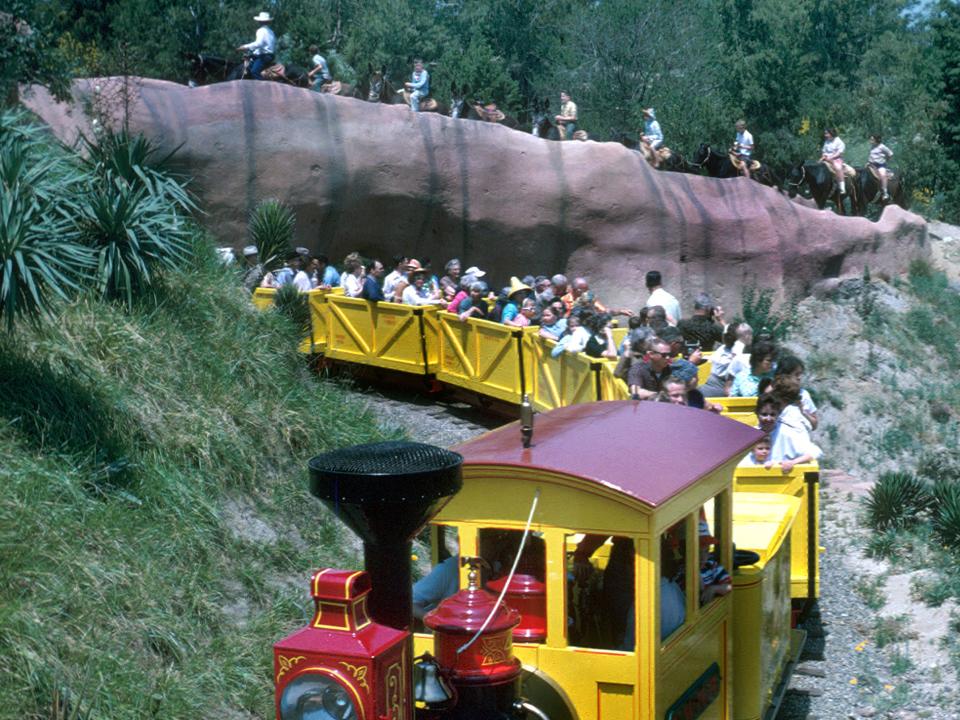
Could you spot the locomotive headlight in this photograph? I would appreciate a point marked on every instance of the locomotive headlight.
(316, 697)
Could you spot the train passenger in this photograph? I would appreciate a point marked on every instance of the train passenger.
(418, 292)
(659, 296)
(791, 444)
(527, 314)
(450, 282)
(746, 382)
(767, 410)
(646, 378)
(573, 322)
(593, 337)
(718, 384)
(759, 455)
(681, 387)
(323, 274)
(253, 268)
(542, 290)
(397, 275)
(617, 591)
(552, 327)
(475, 305)
(793, 367)
(559, 285)
(516, 294)
(441, 582)
(657, 319)
(433, 282)
(715, 581)
(705, 327)
(352, 278)
(371, 282)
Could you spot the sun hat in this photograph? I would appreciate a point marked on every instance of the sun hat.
(414, 268)
(250, 250)
(475, 271)
(263, 17)
(302, 251)
(517, 286)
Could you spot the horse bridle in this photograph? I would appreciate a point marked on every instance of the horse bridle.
(803, 177)
(704, 161)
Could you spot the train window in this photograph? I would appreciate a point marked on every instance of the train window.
(715, 581)
(600, 592)
(673, 580)
(443, 580)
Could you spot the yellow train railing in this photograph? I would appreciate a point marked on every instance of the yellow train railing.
(741, 409)
(569, 379)
(802, 482)
(319, 314)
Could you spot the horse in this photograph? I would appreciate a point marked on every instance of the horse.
(206, 69)
(341, 89)
(624, 139)
(543, 126)
(720, 166)
(820, 180)
(379, 88)
(463, 109)
(284, 73)
(868, 190)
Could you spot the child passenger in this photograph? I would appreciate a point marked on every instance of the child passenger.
(791, 444)
(759, 455)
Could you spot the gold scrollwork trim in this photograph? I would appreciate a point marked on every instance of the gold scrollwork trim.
(359, 673)
(287, 663)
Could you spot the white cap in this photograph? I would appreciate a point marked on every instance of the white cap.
(303, 251)
(475, 271)
(263, 17)
(250, 250)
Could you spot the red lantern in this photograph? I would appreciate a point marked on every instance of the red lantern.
(343, 662)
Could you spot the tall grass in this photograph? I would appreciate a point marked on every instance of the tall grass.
(155, 531)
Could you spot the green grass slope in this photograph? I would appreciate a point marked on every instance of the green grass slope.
(156, 535)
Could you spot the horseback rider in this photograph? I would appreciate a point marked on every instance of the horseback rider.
(419, 85)
(743, 146)
(567, 119)
(263, 48)
(879, 154)
(320, 68)
(832, 156)
(652, 137)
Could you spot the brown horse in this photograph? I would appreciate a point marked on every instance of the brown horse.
(868, 190)
(336, 87)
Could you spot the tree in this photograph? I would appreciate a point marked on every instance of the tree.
(29, 54)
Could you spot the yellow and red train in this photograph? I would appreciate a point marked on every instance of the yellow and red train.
(654, 490)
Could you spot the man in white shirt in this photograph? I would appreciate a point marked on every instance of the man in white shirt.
(743, 146)
(398, 275)
(263, 48)
(659, 296)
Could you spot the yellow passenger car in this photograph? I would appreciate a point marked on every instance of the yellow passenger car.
(634, 510)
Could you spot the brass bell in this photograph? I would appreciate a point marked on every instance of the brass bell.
(429, 685)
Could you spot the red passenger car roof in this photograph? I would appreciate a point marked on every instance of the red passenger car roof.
(648, 450)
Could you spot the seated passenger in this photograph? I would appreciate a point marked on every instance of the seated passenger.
(418, 293)
(450, 282)
(475, 305)
(352, 277)
(441, 582)
(715, 581)
(516, 294)
(760, 454)
(617, 592)
(396, 276)
(371, 282)
(705, 327)
(791, 443)
(646, 378)
(573, 323)
(721, 377)
(551, 326)
(746, 382)
(526, 316)
(792, 367)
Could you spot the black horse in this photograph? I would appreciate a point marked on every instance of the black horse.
(206, 69)
(543, 126)
(287, 73)
(868, 190)
(463, 109)
(719, 165)
(820, 181)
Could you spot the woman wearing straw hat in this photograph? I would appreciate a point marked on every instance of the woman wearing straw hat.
(417, 292)
(263, 48)
(515, 296)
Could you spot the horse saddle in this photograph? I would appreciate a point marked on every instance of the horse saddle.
(489, 114)
(664, 153)
(275, 72)
(426, 104)
(581, 135)
(333, 87)
(848, 170)
(738, 163)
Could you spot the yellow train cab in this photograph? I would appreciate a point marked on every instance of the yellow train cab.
(631, 509)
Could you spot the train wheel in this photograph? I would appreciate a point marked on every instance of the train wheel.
(546, 695)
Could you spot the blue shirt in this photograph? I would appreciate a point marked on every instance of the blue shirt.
(420, 81)
(371, 290)
(330, 276)
(283, 276)
(442, 582)
(558, 328)
(510, 311)
(651, 128)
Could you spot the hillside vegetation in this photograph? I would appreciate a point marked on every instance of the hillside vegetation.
(155, 529)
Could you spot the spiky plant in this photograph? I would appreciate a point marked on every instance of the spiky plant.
(946, 513)
(132, 234)
(39, 259)
(294, 304)
(896, 501)
(271, 230)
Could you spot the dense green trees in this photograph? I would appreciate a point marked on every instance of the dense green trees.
(789, 67)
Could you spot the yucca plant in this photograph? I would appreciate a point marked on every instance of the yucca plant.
(271, 230)
(946, 513)
(132, 233)
(896, 501)
(294, 304)
(39, 258)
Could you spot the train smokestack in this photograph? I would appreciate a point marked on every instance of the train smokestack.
(386, 492)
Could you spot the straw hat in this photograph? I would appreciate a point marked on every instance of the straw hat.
(516, 286)
(414, 268)
(263, 17)
(475, 271)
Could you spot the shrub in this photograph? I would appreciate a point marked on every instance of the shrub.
(758, 312)
(896, 501)
(939, 464)
(271, 230)
(946, 513)
(295, 305)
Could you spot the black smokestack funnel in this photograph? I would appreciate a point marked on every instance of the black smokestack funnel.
(386, 492)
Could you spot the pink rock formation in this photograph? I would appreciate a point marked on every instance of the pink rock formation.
(381, 180)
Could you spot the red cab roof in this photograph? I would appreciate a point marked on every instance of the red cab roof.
(648, 450)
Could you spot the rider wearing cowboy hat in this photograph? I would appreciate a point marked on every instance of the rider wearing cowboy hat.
(262, 48)
(652, 136)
